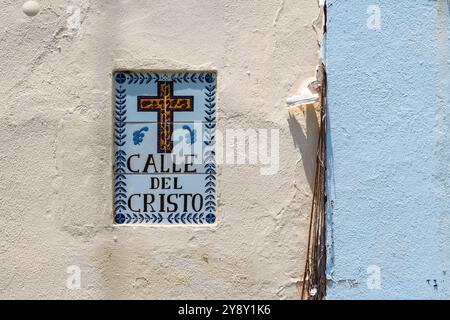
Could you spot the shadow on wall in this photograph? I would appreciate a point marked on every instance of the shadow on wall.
(304, 127)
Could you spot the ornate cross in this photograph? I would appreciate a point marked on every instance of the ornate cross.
(165, 103)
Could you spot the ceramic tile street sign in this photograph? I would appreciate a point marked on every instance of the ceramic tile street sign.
(164, 135)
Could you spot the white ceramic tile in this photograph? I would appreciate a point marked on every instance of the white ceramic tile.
(165, 172)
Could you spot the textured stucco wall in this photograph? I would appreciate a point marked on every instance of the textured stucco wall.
(56, 146)
(388, 149)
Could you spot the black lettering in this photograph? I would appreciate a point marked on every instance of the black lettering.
(129, 162)
(162, 165)
(150, 162)
(165, 183)
(200, 202)
(161, 202)
(175, 169)
(129, 202)
(173, 204)
(175, 184)
(148, 203)
(185, 201)
(154, 183)
(187, 163)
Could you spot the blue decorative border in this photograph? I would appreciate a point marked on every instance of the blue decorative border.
(197, 218)
(120, 183)
(123, 217)
(142, 78)
(192, 77)
(146, 78)
(210, 154)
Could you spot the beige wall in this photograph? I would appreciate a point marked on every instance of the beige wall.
(56, 144)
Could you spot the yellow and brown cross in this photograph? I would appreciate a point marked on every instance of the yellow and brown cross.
(165, 103)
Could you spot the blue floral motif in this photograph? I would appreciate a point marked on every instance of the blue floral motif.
(191, 136)
(138, 135)
(119, 218)
(120, 78)
(210, 218)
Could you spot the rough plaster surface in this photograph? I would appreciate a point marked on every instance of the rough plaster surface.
(56, 146)
(388, 150)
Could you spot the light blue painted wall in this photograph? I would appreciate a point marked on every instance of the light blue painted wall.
(388, 177)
